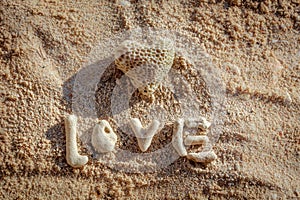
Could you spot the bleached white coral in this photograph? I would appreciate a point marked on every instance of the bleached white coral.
(144, 135)
(202, 157)
(72, 156)
(200, 122)
(196, 140)
(103, 137)
(177, 140)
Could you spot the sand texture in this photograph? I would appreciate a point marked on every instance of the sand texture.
(254, 44)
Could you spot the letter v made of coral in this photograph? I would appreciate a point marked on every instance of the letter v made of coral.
(144, 136)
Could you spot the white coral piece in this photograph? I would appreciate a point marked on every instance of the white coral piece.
(72, 156)
(177, 140)
(203, 157)
(196, 140)
(103, 137)
(197, 122)
(178, 143)
(144, 136)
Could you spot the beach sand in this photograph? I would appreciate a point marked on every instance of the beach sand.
(254, 44)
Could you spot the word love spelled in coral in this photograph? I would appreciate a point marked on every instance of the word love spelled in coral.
(104, 139)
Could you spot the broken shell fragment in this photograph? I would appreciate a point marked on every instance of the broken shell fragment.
(196, 139)
(177, 140)
(197, 122)
(202, 157)
(72, 156)
(103, 137)
(144, 136)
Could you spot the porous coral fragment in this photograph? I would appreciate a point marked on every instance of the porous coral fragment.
(145, 65)
(103, 137)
